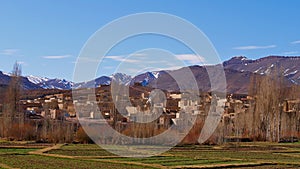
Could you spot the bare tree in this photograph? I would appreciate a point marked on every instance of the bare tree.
(268, 93)
(12, 115)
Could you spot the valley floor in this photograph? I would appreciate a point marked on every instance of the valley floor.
(230, 155)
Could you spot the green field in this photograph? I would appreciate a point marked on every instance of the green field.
(238, 155)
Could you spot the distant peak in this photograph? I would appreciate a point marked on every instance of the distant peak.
(120, 74)
(239, 58)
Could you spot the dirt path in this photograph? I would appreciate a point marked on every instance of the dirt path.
(43, 152)
(110, 159)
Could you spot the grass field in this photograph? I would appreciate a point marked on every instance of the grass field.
(234, 155)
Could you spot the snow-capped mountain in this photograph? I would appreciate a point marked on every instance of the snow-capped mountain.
(121, 78)
(147, 77)
(26, 84)
(47, 83)
(56, 84)
(288, 66)
(37, 80)
(105, 80)
(238, 71)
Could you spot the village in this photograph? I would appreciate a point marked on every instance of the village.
(239, 120)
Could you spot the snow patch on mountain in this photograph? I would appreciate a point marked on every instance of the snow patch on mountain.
(257, 70)
(7, 74)
(156, 74)
(61, 84)
(37, 80)
(286, 70)
(291, 73)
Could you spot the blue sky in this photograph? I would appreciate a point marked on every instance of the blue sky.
(47, 36)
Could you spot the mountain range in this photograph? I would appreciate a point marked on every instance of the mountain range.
(238, 71)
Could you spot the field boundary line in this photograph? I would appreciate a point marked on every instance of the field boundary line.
(247, 164)
(289, 155)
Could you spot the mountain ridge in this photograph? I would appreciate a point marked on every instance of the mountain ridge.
(237, 70)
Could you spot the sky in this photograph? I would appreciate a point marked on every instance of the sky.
(46, 37)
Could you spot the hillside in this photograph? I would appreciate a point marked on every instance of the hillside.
(238, 71)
